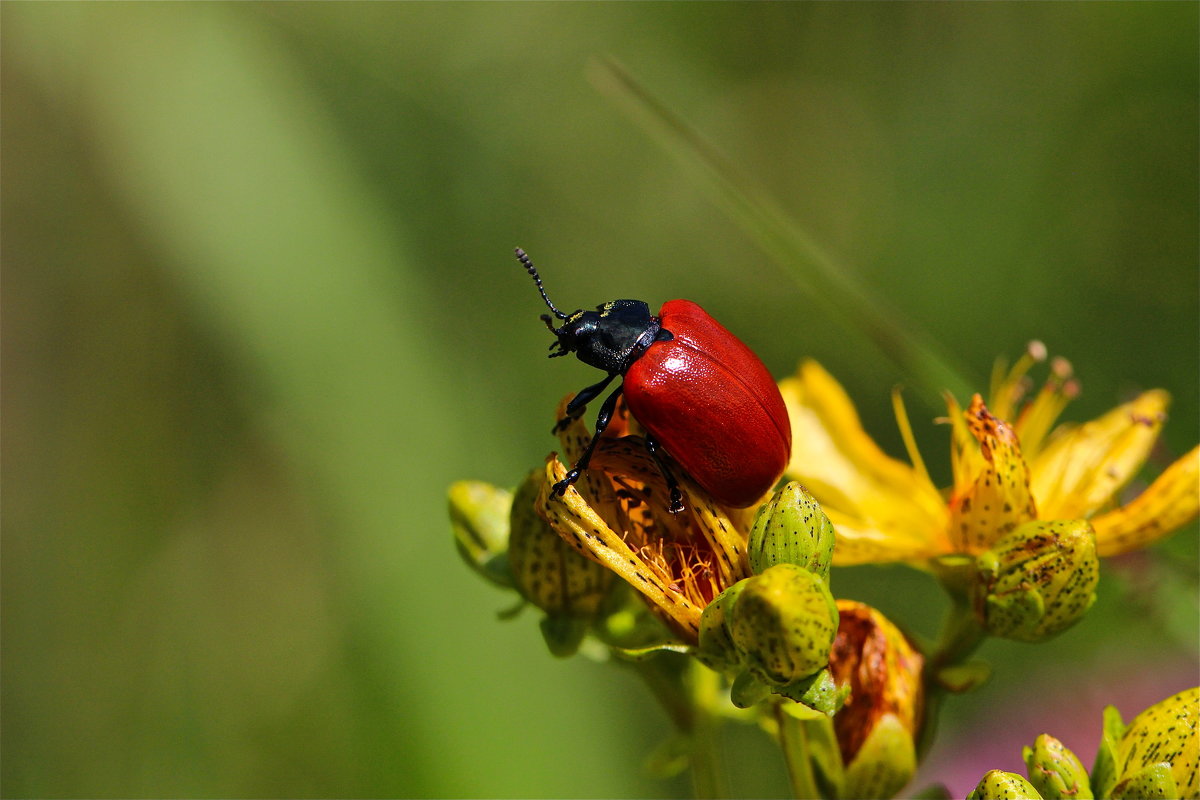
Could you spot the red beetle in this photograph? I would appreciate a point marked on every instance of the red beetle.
(701, 395)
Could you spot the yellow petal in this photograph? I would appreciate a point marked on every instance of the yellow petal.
(998, 498)
(876, 544)
(1083, 467)
(847, 472)
(1171, 502)
(583, 528)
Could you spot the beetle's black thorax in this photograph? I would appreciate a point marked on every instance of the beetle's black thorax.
(612, 337)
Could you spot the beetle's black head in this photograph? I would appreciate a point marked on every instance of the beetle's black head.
(610, 338)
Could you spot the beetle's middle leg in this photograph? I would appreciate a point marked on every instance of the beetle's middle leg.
(579, 402)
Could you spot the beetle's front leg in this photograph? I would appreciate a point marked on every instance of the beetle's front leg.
(579, 402)
(602, 420)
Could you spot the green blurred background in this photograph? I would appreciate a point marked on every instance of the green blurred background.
(260, 309)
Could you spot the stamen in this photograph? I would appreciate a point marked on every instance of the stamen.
(906, 433)
(1007, 390)
(1061, 368)
(1037, 418)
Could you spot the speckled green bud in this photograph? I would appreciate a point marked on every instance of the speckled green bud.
(1055, 771)
(1038, 580)
(547, 571)
(1158, 755)
(791, 528)
(998, 785)
(717, 650)
(783, 623)
(479, 516)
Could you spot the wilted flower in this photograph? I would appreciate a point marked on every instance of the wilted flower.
(877, 726)
(546, 571)
(1005, 473)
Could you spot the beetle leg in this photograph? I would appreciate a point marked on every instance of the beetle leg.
(602, 420)
(579, 402)
(676, 495)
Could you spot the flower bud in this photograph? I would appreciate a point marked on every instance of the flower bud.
(791, 528)
(1055, 771)
(716, 649)
(479, 517)
(876, 729)
(998, 785)
(549, 573)
(1037, 581)
(1158, 755)
(783, 623)
(885, 763)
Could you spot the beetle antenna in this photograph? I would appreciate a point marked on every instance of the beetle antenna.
(524, 259)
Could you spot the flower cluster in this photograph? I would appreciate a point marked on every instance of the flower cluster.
(745, 593)
(1157, 755)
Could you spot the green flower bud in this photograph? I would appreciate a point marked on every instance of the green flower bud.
(716, 649)
(1038, 580)
(479, 516)
(997, 785)
(549, 573)
(783, 622)
(1055, 771)
(885, 763)
(1158, 755)
(791, 528)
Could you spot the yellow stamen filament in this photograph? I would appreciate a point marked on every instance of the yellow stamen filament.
(906, 433)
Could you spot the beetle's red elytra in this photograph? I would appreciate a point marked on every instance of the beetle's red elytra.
(700, 393)
(713, 406)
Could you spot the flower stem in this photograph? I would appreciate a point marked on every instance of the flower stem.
(961, 636)
(793, 740)
(708, 781)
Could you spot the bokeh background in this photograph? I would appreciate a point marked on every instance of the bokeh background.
(260, 309)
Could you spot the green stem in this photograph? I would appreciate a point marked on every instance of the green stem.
(961, 635)
(707, 778)
(793, 740)
(961, 632)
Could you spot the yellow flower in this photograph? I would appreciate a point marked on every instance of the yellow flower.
(1005, 472)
